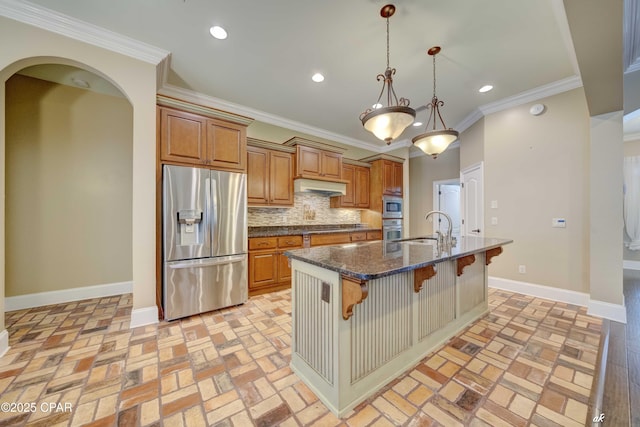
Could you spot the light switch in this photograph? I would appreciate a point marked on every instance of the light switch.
(558, 223)
(494, 220)
(494, 204)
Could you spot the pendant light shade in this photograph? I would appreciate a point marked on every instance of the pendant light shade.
(388, 122)
(433, 142)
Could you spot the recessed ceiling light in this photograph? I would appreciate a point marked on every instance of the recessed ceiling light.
(376, 106)
(218, 32)
(485, 88)
(416, 124)
(317, 77)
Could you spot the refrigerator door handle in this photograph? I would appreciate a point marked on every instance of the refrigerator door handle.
(208, 262)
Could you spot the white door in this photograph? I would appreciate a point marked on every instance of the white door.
(447, 199)
(472, 200)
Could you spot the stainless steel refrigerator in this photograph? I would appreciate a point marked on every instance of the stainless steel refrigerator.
(204, 240)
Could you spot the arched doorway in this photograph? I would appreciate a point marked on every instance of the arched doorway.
(68, 151)
(136, 78)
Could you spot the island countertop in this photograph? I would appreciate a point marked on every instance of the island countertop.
(371, 260)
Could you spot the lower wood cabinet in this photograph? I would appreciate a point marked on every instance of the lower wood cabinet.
(268, 266)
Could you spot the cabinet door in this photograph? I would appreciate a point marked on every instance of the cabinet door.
(182, 137)
(349, 173)
(391, 178)
(309, 162)
(226, 145)
(397, 178)
(263, 269)
(281, 179)
(257, 176)
(362, 187)
(331, 165)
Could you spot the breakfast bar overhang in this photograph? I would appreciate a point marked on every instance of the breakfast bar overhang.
(362, 314)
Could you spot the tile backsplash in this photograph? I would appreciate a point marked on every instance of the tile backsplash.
(308, 209)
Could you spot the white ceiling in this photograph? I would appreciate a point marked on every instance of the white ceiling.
(273, 48)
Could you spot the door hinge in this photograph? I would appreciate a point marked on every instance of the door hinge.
(462, 184)
(463, 222)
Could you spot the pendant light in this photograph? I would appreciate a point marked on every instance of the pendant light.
(434, 142)
(387, 123)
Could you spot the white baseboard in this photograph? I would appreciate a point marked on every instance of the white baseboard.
(631, 265)
(606, 310)
(66, 295)
(540, 291)
(4, 342)
(144, 316)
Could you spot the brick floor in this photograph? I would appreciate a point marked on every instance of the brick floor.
(528, 362)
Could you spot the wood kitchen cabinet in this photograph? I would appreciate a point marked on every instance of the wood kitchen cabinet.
(196, 140)
(386, 179)
(374, 235)
(357, 178)
(340, 238)
(269, 174)
(268, 266)
(391, 178)
(315, 160)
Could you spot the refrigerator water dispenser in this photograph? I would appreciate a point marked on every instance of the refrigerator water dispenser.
(190, 221)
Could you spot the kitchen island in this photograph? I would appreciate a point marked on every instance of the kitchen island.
(364, 313)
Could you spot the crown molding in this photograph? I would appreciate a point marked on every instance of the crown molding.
(545, 91)
(468, 121)
(67, 26)
(198, 98)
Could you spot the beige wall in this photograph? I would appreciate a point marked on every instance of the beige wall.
(423, 170)
(536, 168)
(606, 178)
(31, 45)
(68, 187)
(472, 145)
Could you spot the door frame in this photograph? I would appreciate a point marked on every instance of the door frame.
(463, 173)
(436, 199)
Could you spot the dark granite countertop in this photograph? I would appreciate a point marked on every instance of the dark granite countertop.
(372, 260)
(297, 230)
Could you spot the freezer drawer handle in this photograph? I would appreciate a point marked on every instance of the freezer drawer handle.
(225, 260)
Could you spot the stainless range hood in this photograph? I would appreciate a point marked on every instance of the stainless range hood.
(325, 188)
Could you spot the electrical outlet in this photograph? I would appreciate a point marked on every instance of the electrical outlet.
(494, 220)
(494, 204)
(522, 269)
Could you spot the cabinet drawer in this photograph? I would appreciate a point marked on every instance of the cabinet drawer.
(289, 242)
(259, 243)
(330, 239)
(359, 236)
(374, 235)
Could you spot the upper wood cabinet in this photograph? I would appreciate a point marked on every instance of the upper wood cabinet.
(316, 160)
(386, 180)
(269, 175)
(195, 138)
(391, 178)
(226, 145)
(183, 136)
(357, 196)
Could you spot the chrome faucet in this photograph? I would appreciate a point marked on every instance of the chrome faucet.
(445, 239)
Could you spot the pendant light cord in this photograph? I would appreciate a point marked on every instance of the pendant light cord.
(387, 42)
